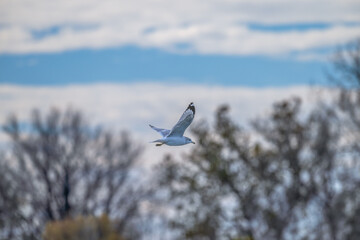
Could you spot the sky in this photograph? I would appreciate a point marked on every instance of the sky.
(129, 63)
(257, 43)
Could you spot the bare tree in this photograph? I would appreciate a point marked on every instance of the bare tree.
(346, 66)
(291, 183)
(346, 63)
(61, 167)
(10, 201)
(297, 179)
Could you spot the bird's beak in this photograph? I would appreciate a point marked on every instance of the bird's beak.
(192, 142)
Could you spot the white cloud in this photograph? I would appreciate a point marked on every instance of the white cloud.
(207, 27)
(134, 106)
(241, 40)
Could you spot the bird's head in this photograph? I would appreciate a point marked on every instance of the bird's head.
(188, 140)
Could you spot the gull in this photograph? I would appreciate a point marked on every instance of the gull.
(174, 137)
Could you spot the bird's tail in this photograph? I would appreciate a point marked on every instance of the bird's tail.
(158, 141)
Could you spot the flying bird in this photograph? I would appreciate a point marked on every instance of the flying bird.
(174, 137)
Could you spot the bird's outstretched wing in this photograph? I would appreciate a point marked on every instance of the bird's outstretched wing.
(185, 120)
(163, 132)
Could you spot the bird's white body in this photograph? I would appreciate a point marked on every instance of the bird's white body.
(174, 141)
(174, 137)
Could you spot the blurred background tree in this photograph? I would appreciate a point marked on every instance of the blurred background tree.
(292, 175)
(293, 182)
(61, 167)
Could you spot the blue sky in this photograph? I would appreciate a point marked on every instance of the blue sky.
(133, 64)
(232, 43)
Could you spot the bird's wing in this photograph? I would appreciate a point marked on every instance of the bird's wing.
(163, 132)
(185, 120)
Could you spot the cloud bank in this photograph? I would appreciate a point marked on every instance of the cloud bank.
(133, 106)
(196, 27)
